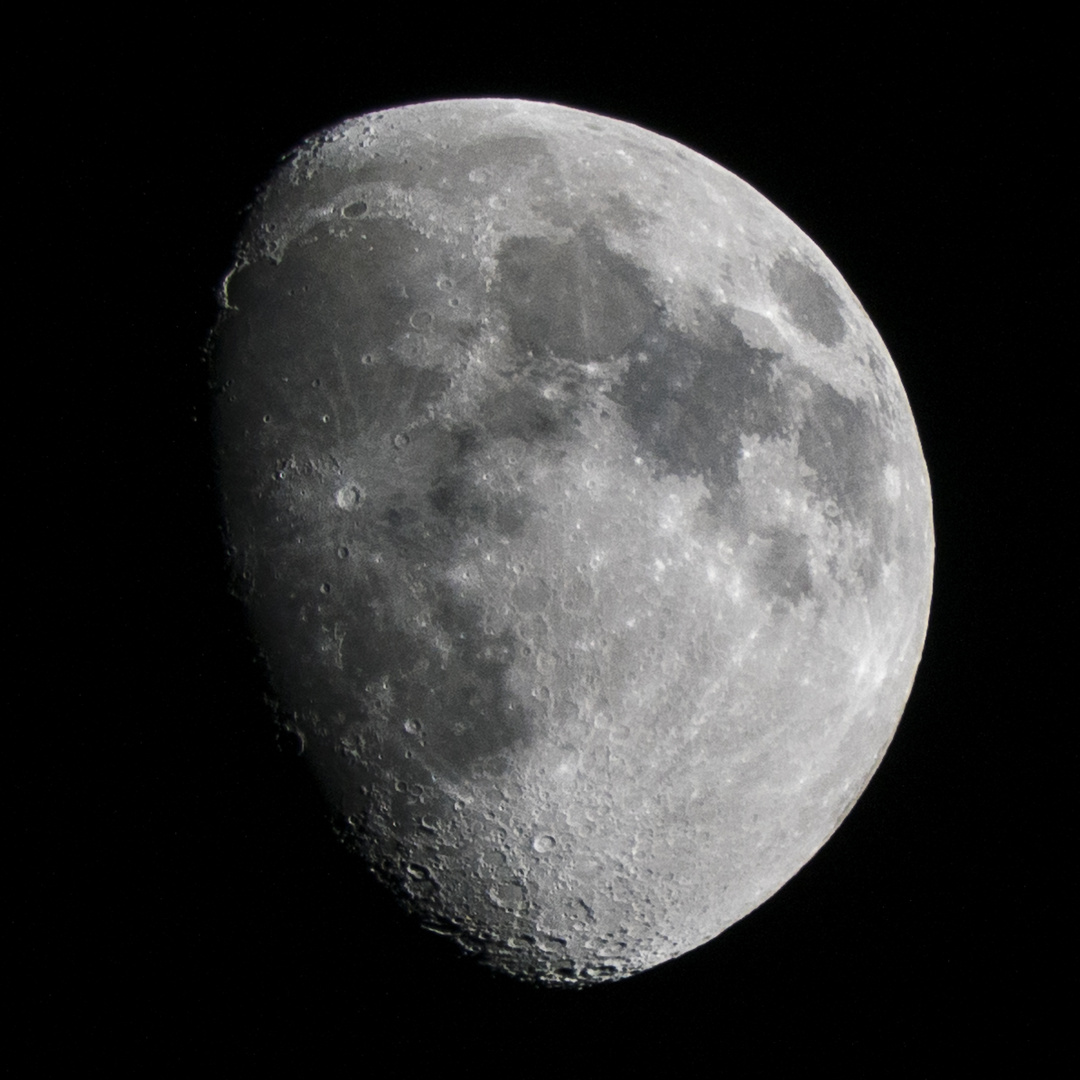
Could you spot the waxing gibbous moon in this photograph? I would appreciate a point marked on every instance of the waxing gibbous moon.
(580, 517)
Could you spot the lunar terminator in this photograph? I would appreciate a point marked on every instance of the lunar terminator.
(580, 516)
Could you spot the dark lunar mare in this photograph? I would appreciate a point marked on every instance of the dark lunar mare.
(572, 298)
(690, 398)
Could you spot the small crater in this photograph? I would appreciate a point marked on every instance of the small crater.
(543, 843)
(508, 895)
(292, 742)
(355, 209)
(349, 497)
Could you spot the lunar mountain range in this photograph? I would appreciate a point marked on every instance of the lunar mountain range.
(581, 520)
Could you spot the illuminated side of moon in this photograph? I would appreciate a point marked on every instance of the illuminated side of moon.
(580, 516)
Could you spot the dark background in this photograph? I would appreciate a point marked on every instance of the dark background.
(179, 896)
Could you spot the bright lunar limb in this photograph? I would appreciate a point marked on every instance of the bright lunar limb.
(580, 516)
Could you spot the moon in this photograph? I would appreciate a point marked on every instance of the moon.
(581, 521)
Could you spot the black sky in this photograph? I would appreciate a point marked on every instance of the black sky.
(181, 898)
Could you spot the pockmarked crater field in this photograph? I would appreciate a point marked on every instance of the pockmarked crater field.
(581, 520)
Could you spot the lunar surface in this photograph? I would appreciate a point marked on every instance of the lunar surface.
(581, 520)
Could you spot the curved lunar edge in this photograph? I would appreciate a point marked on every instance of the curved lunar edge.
(580, 516)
